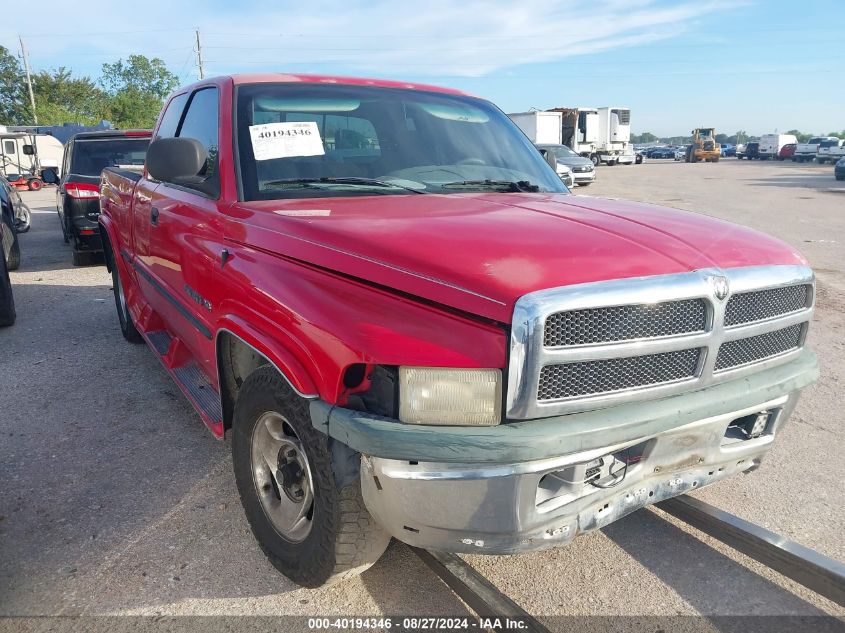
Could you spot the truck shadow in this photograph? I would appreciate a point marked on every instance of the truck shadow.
(117, 500)
(710, 581)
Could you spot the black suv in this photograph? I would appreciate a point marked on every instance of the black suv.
(78, 196)
(10, 257)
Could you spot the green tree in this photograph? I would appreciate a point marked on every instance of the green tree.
(645, 137)
(60, 98)
(802, 138)
(14, 104)
(136, 88)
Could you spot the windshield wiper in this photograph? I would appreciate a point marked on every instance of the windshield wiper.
(500, 185)
(339, 180)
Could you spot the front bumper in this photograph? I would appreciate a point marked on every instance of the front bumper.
(584, 176)
(520, 486)
(512, 508)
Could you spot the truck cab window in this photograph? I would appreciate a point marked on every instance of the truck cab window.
(172, 116)
(200, 123)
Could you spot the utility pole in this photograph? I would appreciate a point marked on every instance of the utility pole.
(29, 79)
(199, 56)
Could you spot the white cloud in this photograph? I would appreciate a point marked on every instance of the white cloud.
(437, 37)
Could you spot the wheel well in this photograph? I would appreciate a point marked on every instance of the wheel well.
(235, 361)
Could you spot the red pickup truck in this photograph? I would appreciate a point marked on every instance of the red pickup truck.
(410, 328)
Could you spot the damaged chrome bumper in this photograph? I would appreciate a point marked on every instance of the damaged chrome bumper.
(531, 505)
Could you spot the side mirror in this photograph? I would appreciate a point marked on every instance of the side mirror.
(28, 150)
(550, 157)
(50, 176)
(176, 160)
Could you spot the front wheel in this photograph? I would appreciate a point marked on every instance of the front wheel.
(34, 184)
(312, 527)
(14, 253)
(594, 159)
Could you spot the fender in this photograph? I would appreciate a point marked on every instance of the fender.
(108, 229)
(294, 373)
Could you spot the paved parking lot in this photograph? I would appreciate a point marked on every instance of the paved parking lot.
(115, 499)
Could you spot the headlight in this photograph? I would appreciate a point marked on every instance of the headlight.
(452, 397)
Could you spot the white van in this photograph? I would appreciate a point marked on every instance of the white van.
(771, 144)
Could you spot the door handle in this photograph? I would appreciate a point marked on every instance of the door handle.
(154, 216)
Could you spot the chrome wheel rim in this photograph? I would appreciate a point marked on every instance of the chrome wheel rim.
(282, 476)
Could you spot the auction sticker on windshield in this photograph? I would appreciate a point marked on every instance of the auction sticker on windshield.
(284, 140)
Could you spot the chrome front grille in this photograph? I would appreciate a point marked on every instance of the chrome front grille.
(625, 323)
(761, 347)
(616, 374)
(593, 345)
(759, 305)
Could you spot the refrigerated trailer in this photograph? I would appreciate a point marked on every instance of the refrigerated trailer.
(614, 131)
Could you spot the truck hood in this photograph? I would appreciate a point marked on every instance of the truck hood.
(479, 253)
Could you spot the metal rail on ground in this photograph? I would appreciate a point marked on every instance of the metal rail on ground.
(815, 571)
(476, 591)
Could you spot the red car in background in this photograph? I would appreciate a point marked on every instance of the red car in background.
(787, 151)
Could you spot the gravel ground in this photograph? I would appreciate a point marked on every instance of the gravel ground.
(116, 500)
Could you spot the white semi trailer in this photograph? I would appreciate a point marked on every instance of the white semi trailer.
(543, 128)
(614, 143)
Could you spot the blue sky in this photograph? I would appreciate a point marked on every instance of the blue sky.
(754, 65)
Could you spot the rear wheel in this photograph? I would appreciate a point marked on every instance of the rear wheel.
(127, 327)
(312, 527)
(7, 301)
(34, 184)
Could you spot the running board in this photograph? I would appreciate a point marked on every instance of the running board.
(180, 364)
(160, 340)
(200, 391)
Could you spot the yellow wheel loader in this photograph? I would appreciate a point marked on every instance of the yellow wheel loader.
(704, 146)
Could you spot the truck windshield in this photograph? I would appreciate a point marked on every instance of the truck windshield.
(91, 156)
(296, 141)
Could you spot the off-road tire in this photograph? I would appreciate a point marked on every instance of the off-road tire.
(344, 539)
(127, 327)
(7, 301)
